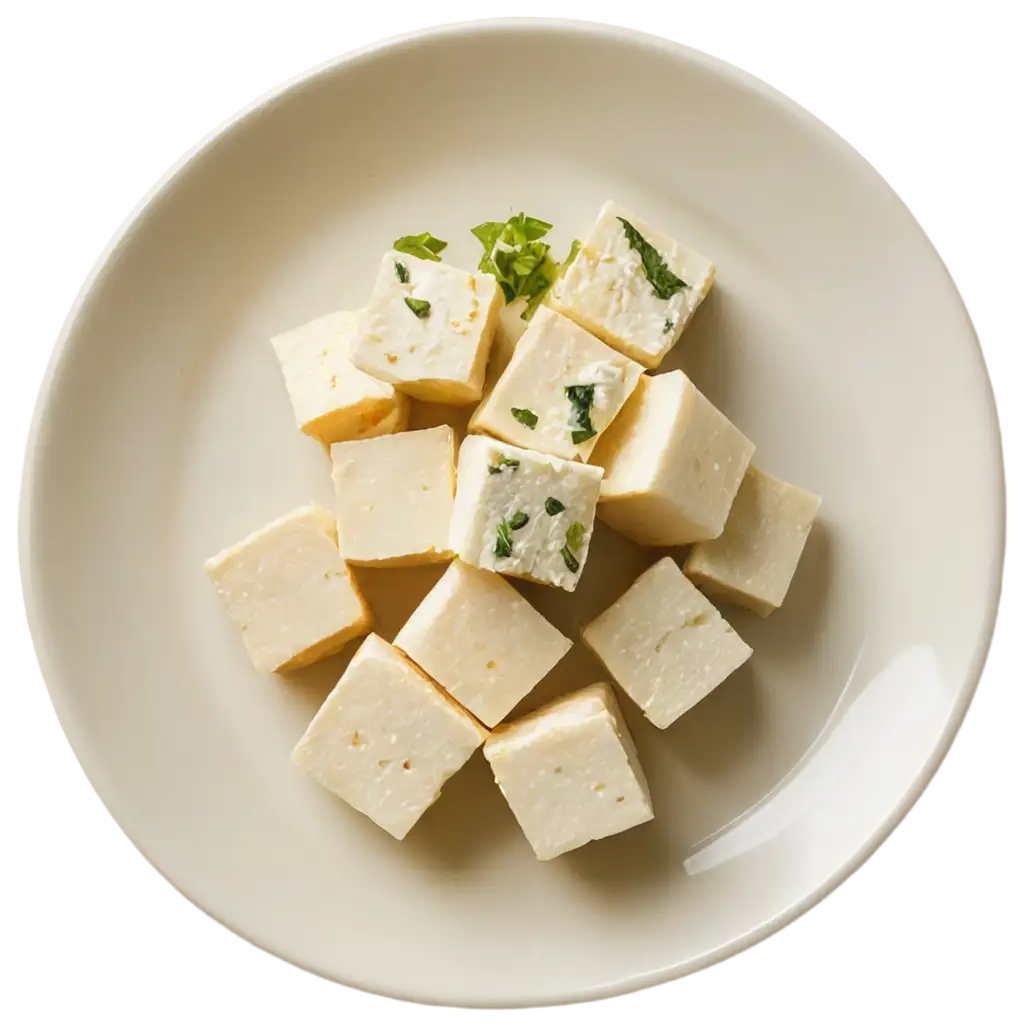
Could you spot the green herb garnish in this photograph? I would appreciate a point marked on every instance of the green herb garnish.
(519, 520)
(669, 324)
(553, 506)
(574, 536)
(514, 254)
(527, 417)
(570, 560)
(419, 306)
(574, 251)
(424, 246)
(503, 461)
(582, 398)
(663, 281)
(401, 272)
(503, 545)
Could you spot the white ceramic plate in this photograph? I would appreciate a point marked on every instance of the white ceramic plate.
(834, 338)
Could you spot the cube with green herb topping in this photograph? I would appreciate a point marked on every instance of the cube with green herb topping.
(523, 513)
(427, 329)
(632, 286)
(560, 390)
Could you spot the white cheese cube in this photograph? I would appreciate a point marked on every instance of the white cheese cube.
(753, 561)
(665, 643)
(608, 291)
(523, 513)
(332, 399)
(289, 592)
(387, 739)
(482, 641)
(560, 390)
(435, 345)
(394, 497)
(673, 464)
(570, 772)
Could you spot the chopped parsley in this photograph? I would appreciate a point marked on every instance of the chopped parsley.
(401, 272)
(514, 254)
(424, 246)
(419, 306)
(581, 396)
(519, 520)
(669, 324)
(527, 417)
(663, 281)
(574, 251)
(503, 544)
(570, 560)
(502, 462)
(553, 506)
(574, 536)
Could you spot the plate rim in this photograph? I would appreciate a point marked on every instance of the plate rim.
(967, 687)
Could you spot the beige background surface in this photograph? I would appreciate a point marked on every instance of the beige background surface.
(91, 104)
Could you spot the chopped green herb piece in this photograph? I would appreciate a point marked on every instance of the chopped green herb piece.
(574, 536)
(425, 246)
(503, 545)
(570, 560)
(401, 272)
(419, 306)
(669, 324)
(514, 254)
(581, 396)
(519, 520)
(553, 506)
(503, 461)
(574, 251)
(663, 281)
(527, 417)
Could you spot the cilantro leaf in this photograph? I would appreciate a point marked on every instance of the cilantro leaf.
(527, 417)
(503, 544)
(419, 306)
(581, 396)
(663, 281)
(519, 520)
(553, 506)
(574, 536)
(570, 560)
(401, 272)
(425, 246)
(514, 254)
(502, 462)
(574, 251)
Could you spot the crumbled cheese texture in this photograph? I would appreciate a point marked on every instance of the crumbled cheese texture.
(498, 486)
(673, 464)
(607, 291)
(753, 562)
(394, 497)
(441, 355)
(331, 398)
(570, 772)
(665, 644)
(482, 641)
(289, 592)
(387, 739)
(555, 354)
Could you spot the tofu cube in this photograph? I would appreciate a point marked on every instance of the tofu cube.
(570, 772)
(289, 592)
(665, 643)
(753, 561)
(638, 306)
(332, 399)
(394, 497)
(482, 641)
(560, 390)
(523, 513)
(387, 739)
(428, 329)
(672, 464)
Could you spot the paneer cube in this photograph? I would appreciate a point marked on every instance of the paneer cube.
(289, 592)
(665, 644)
(570, 772)
(523, 513)
(394, 497)
(753, 561)
(387, 739)
(332, 399)
(560, 390)
(632, 286)
(673, 464)
(481, 641)
(428, 329)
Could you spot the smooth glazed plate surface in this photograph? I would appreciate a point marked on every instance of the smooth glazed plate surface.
(834, 338)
